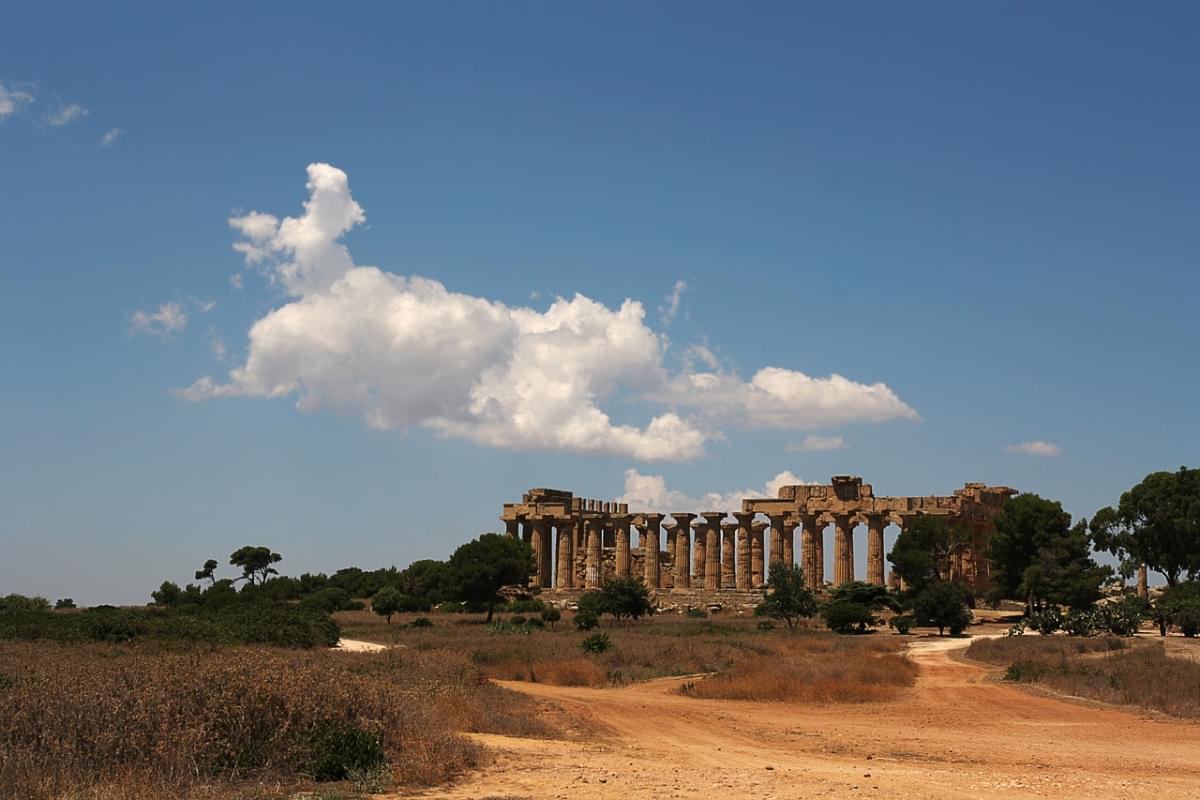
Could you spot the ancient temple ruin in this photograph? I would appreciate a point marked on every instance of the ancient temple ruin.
(578, 543)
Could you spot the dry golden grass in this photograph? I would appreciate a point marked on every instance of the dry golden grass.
(1122, 672)
(130, 721)
(814, 670)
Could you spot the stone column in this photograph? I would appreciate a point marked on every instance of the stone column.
(683, 550)
(808, 549)
(1143, 582)
(622, 562)
(776, 538)
(578, 552)
(699, 552)
(712, 557)
(535, 543)
(511, 528)
(819, 554)
(592, 574)
(745, 549)
(712, 549)
(843, 550)
(563, 579)
(875, 549)
(649, 541)
(730, 554)
(789, 542)
(758, 530)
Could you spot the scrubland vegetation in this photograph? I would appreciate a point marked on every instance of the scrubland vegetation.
(1112, 670)
(145, 721)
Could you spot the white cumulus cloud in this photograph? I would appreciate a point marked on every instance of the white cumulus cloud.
(650, 493)
(404, 351)
(168, 319)
(1035, 448)
(820, 443)
(64, 114)
(785, 399)
(109, 138)
(12, 98)
(670, 307)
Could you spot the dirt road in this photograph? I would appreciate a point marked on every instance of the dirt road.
(957, 734)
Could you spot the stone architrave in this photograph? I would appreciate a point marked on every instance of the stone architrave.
(875, 525)
(745, 560)
(843, 550)
(758, 531)
(592, 576)
(563, 578)
(683, 549)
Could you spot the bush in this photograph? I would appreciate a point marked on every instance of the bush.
(1124, 617)
(846, 617)
(535, 623)
(551, 616)
(766, 625)
(943, 604)
(1081, 623)
(329, 600)
(338, 748)
(697, 613)
(450, 608)
(586, 620)
(422, 622)
(517, 620)
(64, 602)
(1187, 616)
(526, 606)
(596, 644)
(1046, 621)
(902, 623)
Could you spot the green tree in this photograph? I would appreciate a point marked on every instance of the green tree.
(168, 594)
(924, 550)
(869, 595)
(787, 597)
(1038, 556)
(427, 578)
(208, 572)
(626, 598)
(386, 602)
(1180, 606)
(943, 604)
(1156, 523)
(481, 568)
(842, 616)
(551, 616)
(64, 602)
(255, 563)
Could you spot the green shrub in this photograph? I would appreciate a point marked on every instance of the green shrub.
(586, 620)
(1046, 621)
(551, 616)
(1025, 671)
(766, 625)
(902, 623)
(526, 606)
(329, 600)
(422, 622)
(517, 620)
(596, 644)
(697, 613)
(845, 617)
(450, 608)
(535, 623)
(1124, 617)
(1081, 623)
(338, 748)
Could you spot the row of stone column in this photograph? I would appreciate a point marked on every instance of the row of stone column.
(725, 555)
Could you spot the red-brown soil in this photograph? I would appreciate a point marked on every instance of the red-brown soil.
(959, 733)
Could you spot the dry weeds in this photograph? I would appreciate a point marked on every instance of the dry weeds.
(1138, 674)
(129, 721)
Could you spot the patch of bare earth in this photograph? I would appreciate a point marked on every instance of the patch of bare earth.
(957, 733)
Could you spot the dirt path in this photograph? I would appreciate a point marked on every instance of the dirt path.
(956, 734)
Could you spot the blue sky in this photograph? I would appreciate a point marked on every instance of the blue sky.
(988, 209)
